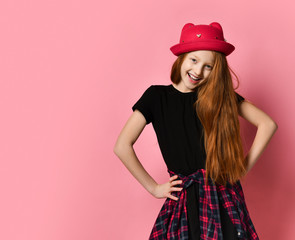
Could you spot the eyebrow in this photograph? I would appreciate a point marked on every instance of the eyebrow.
(199, 58)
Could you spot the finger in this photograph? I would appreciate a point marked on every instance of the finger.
(176, 182)
(176, 189)
(173, 177)
(172, 197)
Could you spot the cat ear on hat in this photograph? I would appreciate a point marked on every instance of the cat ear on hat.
(187, 26)
(216, 25)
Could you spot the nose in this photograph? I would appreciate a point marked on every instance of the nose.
(198, 70)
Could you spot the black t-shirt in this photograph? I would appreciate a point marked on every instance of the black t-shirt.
(181, 141)
(177, 126)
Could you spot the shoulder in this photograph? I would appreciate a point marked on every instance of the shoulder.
(239, 97)
(148, 101)
(157, 89)
(151, 94)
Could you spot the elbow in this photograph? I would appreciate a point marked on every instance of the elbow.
(268, 124)
(117, 149)
(271, 124)
(274, 125)
(120, 147)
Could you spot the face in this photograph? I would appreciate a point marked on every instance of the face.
(195, 68)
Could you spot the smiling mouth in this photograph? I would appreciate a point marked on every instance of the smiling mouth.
(193, 78)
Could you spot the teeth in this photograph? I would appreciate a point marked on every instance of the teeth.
(194, 78)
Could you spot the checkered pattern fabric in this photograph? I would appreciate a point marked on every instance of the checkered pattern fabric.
(171, 223)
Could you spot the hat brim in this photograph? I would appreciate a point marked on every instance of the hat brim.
(215, 45)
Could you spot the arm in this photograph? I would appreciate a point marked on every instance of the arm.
(266, 127)
(124, 150)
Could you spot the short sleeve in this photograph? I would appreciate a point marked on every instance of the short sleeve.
(145, 104)
(239, 98)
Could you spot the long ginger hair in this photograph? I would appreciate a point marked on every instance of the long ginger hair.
(217, 109)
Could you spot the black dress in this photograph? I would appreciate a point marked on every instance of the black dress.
(180, 136)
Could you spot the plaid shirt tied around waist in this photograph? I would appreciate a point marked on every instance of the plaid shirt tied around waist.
(171, 223)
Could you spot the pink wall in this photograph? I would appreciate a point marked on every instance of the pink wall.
(70, 72)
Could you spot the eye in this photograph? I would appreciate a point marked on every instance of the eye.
(194, 60)
(208, 66)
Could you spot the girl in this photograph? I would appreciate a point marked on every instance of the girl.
(196, 122)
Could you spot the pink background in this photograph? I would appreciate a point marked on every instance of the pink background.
(70, 72)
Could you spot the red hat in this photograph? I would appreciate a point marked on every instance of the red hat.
(202, 37)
